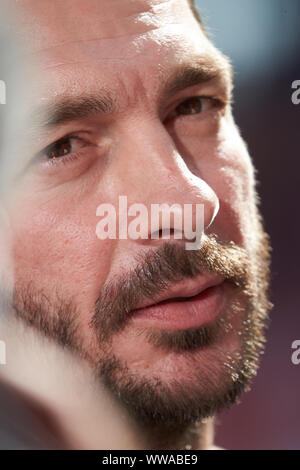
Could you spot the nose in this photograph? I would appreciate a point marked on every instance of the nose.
(179, 204)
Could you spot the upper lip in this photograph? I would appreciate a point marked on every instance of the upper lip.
(183, 289)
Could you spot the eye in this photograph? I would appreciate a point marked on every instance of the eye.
(191, 106)
(195, 105)
(62, 148)
(66, 158)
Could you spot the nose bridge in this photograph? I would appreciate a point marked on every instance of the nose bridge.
(152, 154)
(154, 172)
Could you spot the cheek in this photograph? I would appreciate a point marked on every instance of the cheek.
(56, 249)
(233, 183)
(235, 186)
(219, 156)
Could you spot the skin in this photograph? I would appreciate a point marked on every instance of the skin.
(142, 149)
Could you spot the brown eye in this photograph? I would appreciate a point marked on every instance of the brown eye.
(63, 147)
(191, 106)
(59, 149)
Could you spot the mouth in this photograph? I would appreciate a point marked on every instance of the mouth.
(189, 304)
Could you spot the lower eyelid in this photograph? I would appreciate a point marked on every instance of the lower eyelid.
(61, 160)
(70, 157)
(43, 154)
(82, 154)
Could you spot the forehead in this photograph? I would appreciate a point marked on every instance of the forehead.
(97, 41)
(49, 23)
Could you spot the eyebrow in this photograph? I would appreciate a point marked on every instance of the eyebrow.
(199, 72)
(71, 108)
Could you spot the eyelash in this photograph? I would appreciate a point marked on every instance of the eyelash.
(214, 102)
(70, 157)
(73, 156)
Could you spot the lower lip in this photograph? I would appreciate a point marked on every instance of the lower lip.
(193, 312)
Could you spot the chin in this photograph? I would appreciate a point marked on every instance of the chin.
(175, 388)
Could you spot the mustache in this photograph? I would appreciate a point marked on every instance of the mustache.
(155, 271)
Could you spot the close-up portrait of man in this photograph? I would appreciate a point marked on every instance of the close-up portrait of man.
(139, 259)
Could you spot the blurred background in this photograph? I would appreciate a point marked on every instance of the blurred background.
(263, 40)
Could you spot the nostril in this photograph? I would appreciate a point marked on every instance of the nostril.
(165, 234)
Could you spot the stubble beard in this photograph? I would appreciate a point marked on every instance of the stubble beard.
(155, 403)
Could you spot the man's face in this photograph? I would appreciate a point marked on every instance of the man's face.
(138, 104)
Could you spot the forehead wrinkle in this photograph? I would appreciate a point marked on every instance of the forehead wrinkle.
(98, 49)
(140, 86)
(81, 41)
(196, 71)
(114, 24)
